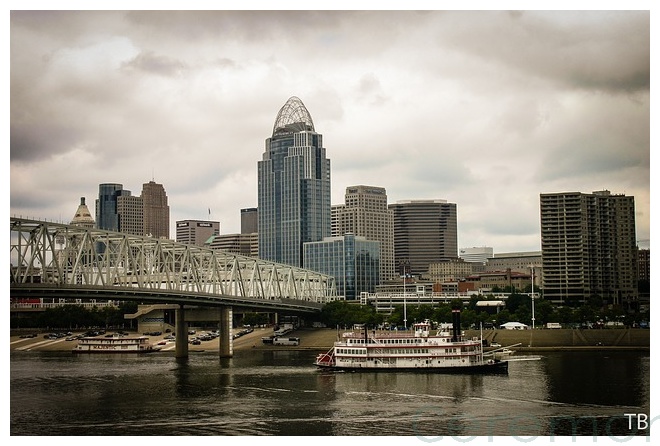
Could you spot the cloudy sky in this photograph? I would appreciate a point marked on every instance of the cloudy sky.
(485, 109)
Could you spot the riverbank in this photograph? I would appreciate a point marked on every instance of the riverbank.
(322, 339)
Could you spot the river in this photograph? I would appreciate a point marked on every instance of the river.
(265, 393)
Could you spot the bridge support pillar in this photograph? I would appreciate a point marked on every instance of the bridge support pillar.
(181, 333)
(226, 340)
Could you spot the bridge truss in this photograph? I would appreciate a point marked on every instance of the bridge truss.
(70, 256)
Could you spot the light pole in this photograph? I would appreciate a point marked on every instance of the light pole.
(405, 316)
(532, 267)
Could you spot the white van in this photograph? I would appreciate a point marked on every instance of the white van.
(553, 325)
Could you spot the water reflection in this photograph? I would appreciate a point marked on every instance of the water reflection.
(282, 393)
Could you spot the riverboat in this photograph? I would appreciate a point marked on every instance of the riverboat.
(115, 345)
(416, 350)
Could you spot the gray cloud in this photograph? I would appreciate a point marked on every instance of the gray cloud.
(486, 109)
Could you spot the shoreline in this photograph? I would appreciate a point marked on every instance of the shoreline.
(322, 339)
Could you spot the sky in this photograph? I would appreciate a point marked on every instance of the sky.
(487, 109)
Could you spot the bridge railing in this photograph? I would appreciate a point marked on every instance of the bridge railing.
(55, 253)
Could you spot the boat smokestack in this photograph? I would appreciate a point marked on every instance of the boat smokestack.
(456, 320)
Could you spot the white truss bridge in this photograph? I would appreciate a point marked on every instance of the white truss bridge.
(63, 261)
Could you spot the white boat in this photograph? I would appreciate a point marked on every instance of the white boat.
(415, 350)
(115, 345)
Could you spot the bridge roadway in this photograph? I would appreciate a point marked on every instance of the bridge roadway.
(60, 262)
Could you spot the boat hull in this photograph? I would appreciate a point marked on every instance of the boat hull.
(496, 367)
(107, 351)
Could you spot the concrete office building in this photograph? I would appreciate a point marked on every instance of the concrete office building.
(476, 254)
(196, 232)
(521, 262)
(353, 261)
(589, 248)
(243, 244)
(365, 214)
(293, 187)
(425, 232)
(450, 270)
(130, 210)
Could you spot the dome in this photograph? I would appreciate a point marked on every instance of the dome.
(293, 117)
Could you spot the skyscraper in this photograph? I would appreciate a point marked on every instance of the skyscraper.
(589, 248)
(107, 217)
(130, 210)
(293, 187)
(365, 214)
(156, 210)
(118, 210)
(425, 232)
(249, 221)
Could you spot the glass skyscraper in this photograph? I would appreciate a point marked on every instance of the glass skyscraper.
(293, 187)
(107, 216)
(353, 261)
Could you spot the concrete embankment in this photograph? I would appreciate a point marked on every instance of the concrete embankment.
(565, 339)
(323, 338)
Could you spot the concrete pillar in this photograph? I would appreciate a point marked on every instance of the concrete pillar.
(226, 340)
(181, 333)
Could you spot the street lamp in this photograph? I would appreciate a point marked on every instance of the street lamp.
(532, 267)
(405, 316)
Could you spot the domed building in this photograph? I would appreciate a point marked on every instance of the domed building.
(83, 217)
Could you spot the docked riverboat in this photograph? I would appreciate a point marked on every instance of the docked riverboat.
(415, 350)
(139, 344)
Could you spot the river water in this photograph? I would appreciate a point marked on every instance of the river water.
(281, 393)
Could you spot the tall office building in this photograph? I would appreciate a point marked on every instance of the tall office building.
(118, 210)
(107, 217)
(365, 214)
(588, 248)
(352, 261)
(425, 232)
(130, 210)
(196, 232)
(249, 221)
(293, 187)
(156, 210)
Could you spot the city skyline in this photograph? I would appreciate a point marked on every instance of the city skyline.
(493, 110)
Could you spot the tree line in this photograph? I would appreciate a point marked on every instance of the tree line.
(518, 308)
(72, 317)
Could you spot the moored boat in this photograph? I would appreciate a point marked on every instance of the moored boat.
(139, 344)
(415, 350)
